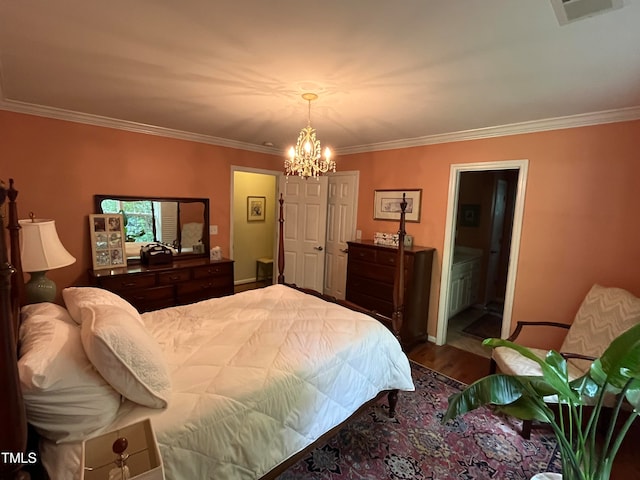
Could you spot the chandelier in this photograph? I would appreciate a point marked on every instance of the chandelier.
(305, 159)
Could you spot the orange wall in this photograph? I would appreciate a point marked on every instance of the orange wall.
(58, 166)
(580, 224)
(580, 218)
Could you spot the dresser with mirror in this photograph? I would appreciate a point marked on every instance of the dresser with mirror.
(180, 224)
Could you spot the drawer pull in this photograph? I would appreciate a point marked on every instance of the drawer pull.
(129, 284)
(174, 278)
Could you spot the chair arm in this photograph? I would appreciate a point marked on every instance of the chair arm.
(522, 324)
(577, 356)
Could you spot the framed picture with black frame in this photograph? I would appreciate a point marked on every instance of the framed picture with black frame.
(386, 204)
(469, 215)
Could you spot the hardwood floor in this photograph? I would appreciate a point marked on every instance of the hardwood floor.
(458, 364)
(467, 367)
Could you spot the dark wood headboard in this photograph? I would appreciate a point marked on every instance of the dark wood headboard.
(13, 433)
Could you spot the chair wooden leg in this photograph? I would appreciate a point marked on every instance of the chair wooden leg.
(526, 429)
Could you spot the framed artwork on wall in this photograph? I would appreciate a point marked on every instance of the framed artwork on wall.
(255, 209)
(107, 240)
(470, 215)
(386, 204)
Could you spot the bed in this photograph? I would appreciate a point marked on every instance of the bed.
(238, 387)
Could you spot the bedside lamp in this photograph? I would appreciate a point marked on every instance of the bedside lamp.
(41, 250)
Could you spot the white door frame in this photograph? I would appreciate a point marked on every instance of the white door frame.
(449, 240)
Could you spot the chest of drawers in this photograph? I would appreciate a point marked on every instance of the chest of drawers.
(370, 275)
(153, 287)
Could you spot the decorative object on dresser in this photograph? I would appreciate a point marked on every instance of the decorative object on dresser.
(153, 287)
(386, 204)
(107, 240)
(41, 251)
(370, 273)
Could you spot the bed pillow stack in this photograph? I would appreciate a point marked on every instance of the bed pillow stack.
(118, 345)
(76, 364)
(65, 397)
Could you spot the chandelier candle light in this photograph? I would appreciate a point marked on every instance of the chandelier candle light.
(305, 159)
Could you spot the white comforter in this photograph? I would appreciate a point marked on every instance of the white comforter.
(256, 377)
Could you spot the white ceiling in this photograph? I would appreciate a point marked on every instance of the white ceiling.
(388, 72)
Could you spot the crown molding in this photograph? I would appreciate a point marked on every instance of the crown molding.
(100, 121)
(571, 121)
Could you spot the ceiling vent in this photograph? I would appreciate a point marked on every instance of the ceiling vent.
(569, 11)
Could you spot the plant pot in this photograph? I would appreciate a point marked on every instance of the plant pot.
(547, 476)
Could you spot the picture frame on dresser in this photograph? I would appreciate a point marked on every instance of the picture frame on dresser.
(107, 240)
(386, 204)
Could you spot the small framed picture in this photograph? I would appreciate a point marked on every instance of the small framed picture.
(255, 209)
(386, 204)
(470, 215)
(107, 240)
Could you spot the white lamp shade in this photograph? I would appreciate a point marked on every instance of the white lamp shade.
(40, 246)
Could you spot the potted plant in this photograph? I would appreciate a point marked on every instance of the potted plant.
(585, 454)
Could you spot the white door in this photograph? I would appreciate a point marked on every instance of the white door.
(305, 223)
(341, 228)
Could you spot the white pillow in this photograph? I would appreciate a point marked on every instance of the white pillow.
(126, 355)
(65, 397)
(76, 298)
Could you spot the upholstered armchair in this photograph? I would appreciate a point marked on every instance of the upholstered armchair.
(604, 314)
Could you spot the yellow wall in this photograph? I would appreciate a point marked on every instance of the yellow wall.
(252, 240)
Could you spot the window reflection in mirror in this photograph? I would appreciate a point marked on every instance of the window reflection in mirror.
(145, 220)
(179, 223)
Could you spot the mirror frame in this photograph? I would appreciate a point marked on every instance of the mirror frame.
(132, 198)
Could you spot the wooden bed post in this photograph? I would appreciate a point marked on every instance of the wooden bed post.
(281, 241)
(13, 437)
(398, 296)
(398, 281)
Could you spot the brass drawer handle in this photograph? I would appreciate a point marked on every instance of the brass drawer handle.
(174, 278)
(128, 284)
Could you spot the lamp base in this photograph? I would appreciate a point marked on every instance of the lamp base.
(40, 289)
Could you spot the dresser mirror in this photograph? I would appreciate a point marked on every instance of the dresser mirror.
(181, 224)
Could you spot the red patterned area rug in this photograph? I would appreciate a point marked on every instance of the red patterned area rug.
(416, 445)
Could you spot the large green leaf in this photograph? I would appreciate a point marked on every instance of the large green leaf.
(552, 372)
(495, 389)
(500, 390)
(528, 408)
(620, 361)
(633, 394)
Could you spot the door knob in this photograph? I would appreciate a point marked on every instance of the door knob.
(344, 250)
(319, 248)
